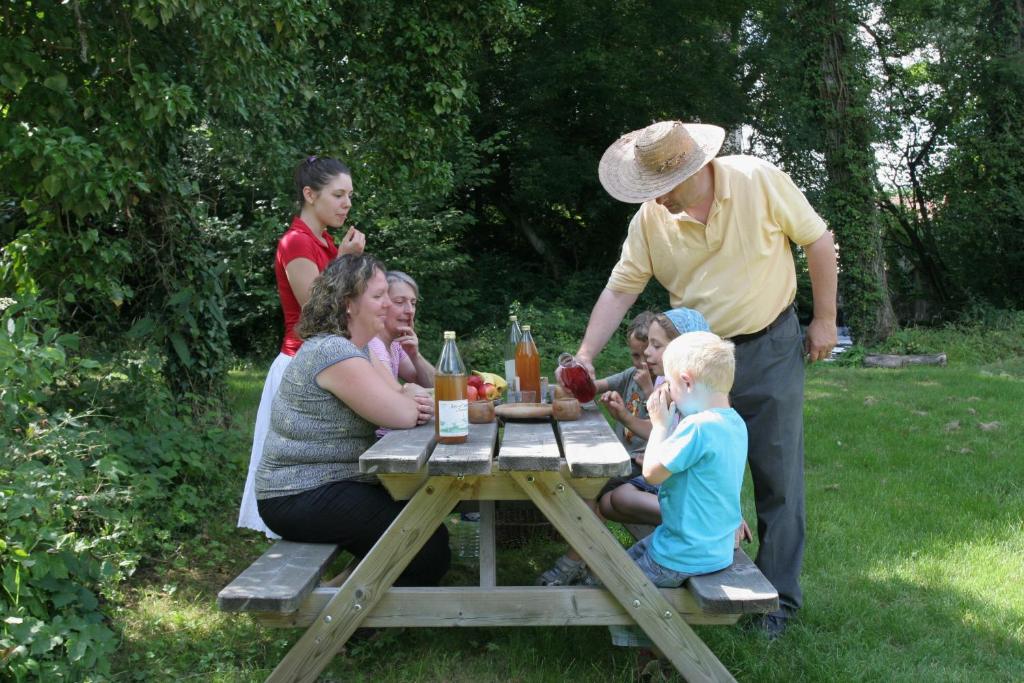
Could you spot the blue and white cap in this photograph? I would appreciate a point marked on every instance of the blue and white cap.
(687, 320)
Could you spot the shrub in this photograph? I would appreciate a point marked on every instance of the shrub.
(985, 336)
(98, 467)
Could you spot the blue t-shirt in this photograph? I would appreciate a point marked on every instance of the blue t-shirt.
(700, 501)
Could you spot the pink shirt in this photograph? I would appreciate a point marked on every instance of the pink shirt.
(392, 357)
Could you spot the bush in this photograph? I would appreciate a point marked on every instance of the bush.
(984, 336)
(98, 468)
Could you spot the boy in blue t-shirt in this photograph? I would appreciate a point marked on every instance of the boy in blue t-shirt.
(699, 466)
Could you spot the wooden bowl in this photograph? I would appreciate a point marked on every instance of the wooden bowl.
(562, 392)
(481, 412)
(566, 409)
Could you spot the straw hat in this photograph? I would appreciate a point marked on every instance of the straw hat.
(649, 162)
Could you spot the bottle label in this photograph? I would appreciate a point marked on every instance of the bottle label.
(453, 418)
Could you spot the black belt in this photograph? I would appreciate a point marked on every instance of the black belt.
(744, 338)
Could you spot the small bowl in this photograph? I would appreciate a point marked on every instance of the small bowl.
(481, 412)
(562, 392)
(566, 409)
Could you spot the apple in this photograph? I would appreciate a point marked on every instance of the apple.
(471, 393)
(475, 381)
(490, 391)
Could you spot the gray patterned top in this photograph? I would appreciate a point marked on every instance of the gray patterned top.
(314, 438)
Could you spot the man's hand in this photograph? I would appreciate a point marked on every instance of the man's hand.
(658, 407)
(352, 243)
(821, 264)
(585, 362)
(820, 339)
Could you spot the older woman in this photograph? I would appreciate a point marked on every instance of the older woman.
(397, 346)
(308, 485)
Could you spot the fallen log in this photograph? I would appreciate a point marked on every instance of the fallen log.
(885, 360)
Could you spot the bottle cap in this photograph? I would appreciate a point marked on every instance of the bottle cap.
(449, 334)
(526, 328)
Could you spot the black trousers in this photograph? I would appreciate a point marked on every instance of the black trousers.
(768, 393)
(353, 515)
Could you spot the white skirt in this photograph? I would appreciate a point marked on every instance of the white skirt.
(248, 513)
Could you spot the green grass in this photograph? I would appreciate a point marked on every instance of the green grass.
(913, 569)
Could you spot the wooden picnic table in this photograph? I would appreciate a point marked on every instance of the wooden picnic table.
(554, 464)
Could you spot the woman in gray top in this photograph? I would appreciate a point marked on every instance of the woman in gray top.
(308, 485)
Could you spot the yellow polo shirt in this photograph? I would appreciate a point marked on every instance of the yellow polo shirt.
(738, 269)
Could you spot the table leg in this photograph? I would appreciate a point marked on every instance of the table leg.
(370, 580)
(488, 557)
(608, 560)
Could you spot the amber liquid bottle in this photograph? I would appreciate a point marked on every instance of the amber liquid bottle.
(528, 364)
(451, 406)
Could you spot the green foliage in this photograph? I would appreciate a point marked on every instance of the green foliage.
(986, 337)
(98, 468)
(576, 79)
(813, 108)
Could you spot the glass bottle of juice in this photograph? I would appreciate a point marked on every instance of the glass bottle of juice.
(451, 407)
(514, 335)
(528, 364)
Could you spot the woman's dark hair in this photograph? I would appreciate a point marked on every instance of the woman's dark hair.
(315, 172)
(344, 279)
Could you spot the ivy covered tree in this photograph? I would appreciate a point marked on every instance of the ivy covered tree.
(813, 91)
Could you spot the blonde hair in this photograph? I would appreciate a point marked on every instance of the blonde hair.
(708, 358)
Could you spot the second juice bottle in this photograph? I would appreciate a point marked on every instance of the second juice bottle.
(528, 364)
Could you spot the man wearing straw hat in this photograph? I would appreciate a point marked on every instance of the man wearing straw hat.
(716, 233)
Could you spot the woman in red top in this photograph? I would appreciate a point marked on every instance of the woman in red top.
(324, 191)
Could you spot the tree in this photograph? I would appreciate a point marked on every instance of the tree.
(984, 181)
(813, 91)
(581, 76)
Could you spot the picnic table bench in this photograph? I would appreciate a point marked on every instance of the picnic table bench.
(556, 465)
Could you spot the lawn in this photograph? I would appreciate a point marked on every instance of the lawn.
(913, 569)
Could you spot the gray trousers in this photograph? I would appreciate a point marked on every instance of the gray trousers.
(768, 393)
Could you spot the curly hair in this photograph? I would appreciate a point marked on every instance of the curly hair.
(343, 280)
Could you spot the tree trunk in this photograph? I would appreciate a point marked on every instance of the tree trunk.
(850, 164)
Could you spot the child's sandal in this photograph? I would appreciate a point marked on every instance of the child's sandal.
(566, 572)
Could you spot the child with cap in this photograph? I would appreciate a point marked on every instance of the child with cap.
(631, 499)
(698, 464)
(635, 501)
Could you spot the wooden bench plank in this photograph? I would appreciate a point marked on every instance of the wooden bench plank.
(279, 580)
(608, 561)
(400, 450)
(590, 447)
(740, 588)
(472, 457)
(529, 446)
(496, 606)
